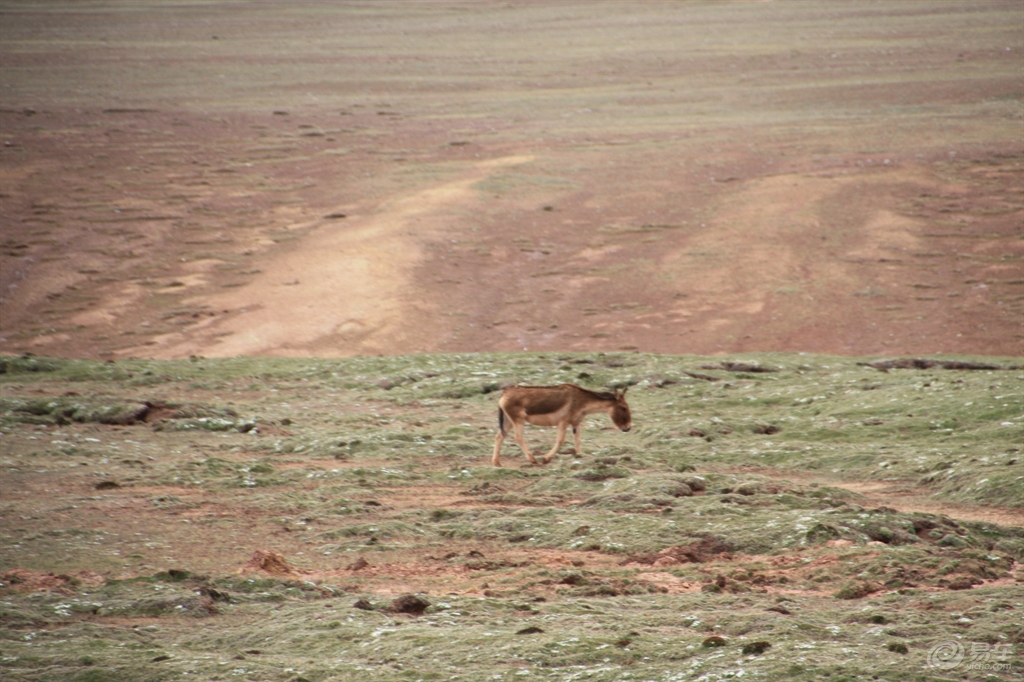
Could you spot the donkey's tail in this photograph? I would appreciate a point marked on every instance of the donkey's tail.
(501, 423)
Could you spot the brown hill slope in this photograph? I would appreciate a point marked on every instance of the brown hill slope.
(324, 180)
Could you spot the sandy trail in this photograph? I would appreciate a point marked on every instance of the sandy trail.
(344, 290)
(905, 498)
(902, 496)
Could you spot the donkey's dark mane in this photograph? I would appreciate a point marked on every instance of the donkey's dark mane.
(602, 396)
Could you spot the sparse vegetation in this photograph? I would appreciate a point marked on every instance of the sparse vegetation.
(632, 557)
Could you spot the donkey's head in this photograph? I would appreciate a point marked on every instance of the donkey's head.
(620, 411)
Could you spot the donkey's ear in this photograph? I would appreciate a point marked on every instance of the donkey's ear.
(622, 393)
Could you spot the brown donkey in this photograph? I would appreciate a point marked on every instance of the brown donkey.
(562, 406)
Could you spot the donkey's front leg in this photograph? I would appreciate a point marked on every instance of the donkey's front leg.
(558, 442)
(577, 436)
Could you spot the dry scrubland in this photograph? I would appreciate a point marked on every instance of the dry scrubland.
(650, 195)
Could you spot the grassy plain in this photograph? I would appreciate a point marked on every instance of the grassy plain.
(851, 518)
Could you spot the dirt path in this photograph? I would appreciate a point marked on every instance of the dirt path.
(347, 285)
(907, 498)
(903, 496)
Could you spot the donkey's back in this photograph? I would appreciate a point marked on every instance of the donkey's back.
(535, 401)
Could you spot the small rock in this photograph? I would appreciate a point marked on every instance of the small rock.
(363, 604)
(574, 579)
(749, 488)
(756, 648)
(358, 564)
(713, 641)
(682, 490)
(215, 595)
(532, 630)
(962, 582)
(696, 483)
(411, 604)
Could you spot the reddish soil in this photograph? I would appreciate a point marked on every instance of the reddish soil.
(850, 194)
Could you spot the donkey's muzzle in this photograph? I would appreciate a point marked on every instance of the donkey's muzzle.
(626, 428)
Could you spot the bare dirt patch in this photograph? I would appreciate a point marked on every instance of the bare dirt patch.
(858, 198)
(905, 496)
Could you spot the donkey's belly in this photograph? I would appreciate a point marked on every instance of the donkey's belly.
(549, 419)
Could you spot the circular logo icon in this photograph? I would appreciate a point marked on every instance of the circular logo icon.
(946, 655)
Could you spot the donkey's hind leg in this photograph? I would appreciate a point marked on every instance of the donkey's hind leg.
(498, 440)
(521, 439)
